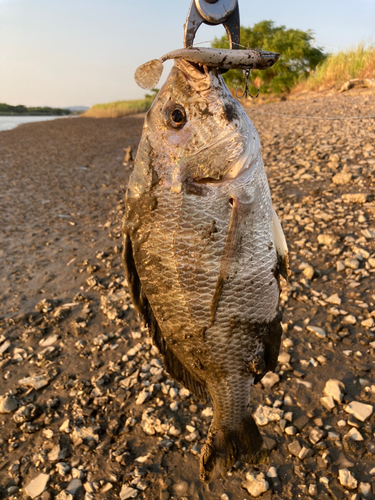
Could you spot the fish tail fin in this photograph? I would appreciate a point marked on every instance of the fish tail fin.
(224, 448)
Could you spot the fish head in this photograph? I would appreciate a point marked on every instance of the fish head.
(196, 131)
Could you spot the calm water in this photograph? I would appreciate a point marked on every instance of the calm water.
(9, 122)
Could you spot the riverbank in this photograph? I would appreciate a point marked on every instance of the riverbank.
(104, 414)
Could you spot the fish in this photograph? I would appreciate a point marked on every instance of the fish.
(203, 254)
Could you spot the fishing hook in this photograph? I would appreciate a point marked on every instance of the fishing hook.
(246, 92)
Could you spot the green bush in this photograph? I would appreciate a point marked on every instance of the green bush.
(297, 57)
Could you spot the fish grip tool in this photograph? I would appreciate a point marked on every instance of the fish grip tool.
(213, 12)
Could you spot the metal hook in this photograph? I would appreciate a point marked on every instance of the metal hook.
(246, 92)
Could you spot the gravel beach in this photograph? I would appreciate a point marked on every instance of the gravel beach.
(86, 408)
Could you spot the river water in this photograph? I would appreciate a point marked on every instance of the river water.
(9, 122)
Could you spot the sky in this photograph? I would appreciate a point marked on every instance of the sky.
(83, 52)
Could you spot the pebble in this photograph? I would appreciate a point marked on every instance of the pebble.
(142, 397)
(328, 402)
(284, 358)
(8, 404)
(37, 485)
(349, 320)
(334, 388)
(308, 272)
(269, 380)
(265, 414)
(127, 492)
(334, 299)
(256, 485)
(37, 382)
(347, 479)
(355, 197)
(368, 323)
(360, 411)
(354, 435)
(319, 332)
(74, 487)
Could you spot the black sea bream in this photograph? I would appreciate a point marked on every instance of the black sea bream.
(203, 253)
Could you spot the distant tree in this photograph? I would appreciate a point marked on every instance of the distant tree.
(298, 57)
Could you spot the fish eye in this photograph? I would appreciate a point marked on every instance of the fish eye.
(176, 116)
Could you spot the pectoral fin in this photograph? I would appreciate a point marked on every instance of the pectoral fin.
(280, 245)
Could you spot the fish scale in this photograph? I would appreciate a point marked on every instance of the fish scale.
(201, 256)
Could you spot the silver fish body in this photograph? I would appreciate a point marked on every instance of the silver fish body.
(203, 252)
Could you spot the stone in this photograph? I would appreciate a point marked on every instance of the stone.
(342, 178)
(181, 488)
(360, 411)
(356, 197)
(367, 323)
(328, 402)
(8, 404)
(327, 239)
(319, 332)
(347, 479)
(37, 485)
(316, 434)
(74, 487)
(334, 299)
(351, 263)
(86, 434)
(295, 448)
(284, 358)
(308, 272)
(62, 468)
(256, 485)
(269, 380)
(142, 397)
(265, 414)
(340, 266)
(127, 492)
(354, 435)
(64, 495)
(4, 346)
(349, 320)
(272, 472)
(364, 489)
(37, 382)
(334, 388)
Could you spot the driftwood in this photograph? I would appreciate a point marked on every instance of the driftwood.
(364, 82)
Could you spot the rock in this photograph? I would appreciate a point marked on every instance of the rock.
(360, 411)
(319, 332)
(354, 435)
(308, 272)
(127, 492)
(334, 388)
(64, 495)
(128, 154)
(37, 485)
(327, 402)
(340, 266)
(347, 479)
(351, 263)
(74, 487)
(349, 320)
(367, 323)
(272, 472)
(181, 488)
(265, 414)
(356, 197)
(343, 177)
(284, 358)
(85, 434)
(8, 404)
(316, 435)
(62, 468)
(48, 341)
(364, 489)
(334, 299)
(369, 234)
(142, 397)
(37, 382)
(327, 239)
(256, 485)
(269, 380)
(295, 448)
(4, 346)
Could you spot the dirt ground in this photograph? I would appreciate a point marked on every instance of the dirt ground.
(86, 408)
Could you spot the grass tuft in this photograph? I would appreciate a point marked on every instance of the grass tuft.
(118, 108)
(356, 62)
